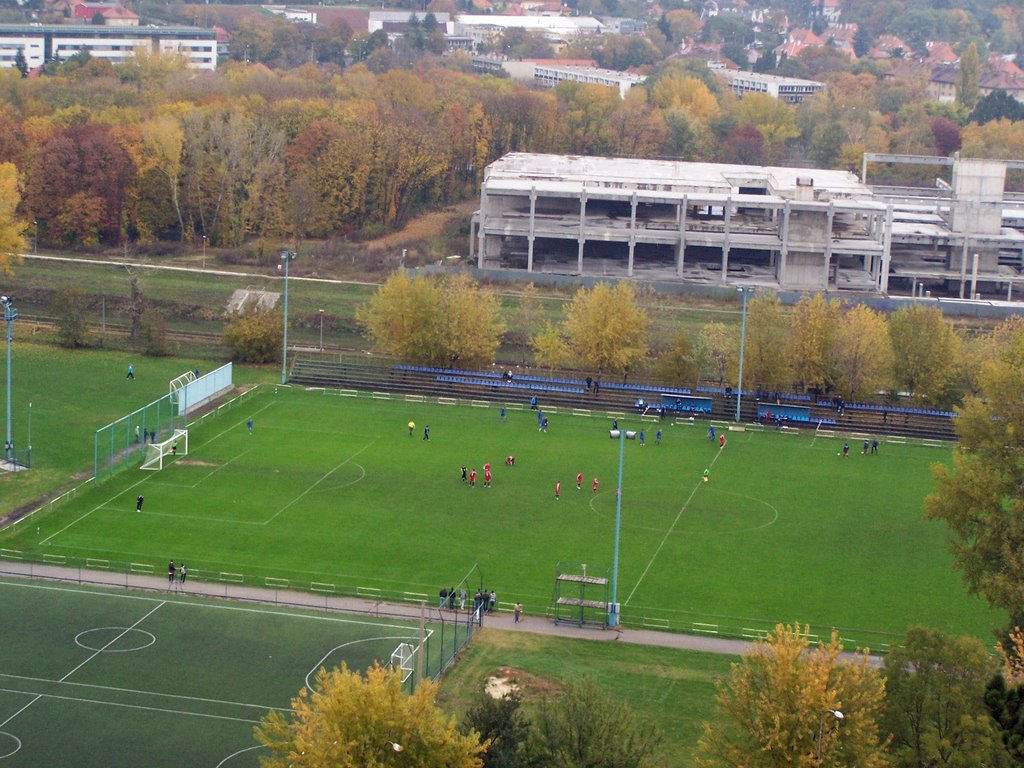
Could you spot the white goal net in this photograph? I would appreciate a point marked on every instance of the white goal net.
(402, 660)
(177, 445)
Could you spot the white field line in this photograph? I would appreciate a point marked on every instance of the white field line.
(116, 704)
(669, 532)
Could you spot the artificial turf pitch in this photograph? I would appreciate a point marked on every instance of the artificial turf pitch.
(96, 678)
(334, 490)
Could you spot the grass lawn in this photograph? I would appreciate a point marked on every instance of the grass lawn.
(119, 679)
(333, 490)
(673, 689)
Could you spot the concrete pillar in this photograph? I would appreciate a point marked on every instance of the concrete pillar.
(582, 237)
(828, 242)
(974, 277)
(963, 267)
(681, 248)
(725, 241)
(530, 236)
(473, 225)
(632, 233)
(883, 284)
(784, 251)
(482, 228)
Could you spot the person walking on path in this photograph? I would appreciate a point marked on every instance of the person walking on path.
(182, 575)
(170, 574)
(136, 434)
(517, 612)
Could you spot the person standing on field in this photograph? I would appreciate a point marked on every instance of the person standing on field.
(131, 372)
(138, 503)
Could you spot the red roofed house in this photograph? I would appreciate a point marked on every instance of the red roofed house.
(941, 53)
(113, 15)
(841, 38)
(796, 41)
(889, 47)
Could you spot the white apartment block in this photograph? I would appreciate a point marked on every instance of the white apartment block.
(548, 75)
(791, 90)
(40, 43)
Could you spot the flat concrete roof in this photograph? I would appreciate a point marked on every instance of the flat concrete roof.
(577, 171)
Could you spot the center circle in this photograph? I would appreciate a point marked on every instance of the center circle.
(725, 512)
(9, 744)
(114, 639)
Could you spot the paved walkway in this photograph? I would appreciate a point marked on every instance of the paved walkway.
(412, 611)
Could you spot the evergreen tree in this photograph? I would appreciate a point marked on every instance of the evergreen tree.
(19, 62)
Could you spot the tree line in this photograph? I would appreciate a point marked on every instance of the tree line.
(820, 345)
(150, 151)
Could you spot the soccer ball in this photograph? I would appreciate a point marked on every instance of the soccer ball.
(838, 453)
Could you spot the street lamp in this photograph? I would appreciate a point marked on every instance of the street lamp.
(35, 239)
(204, 251)
(10, 315)
(613, 611)
(837, 715)
(286, 257)
(321, 330)
(743, 343)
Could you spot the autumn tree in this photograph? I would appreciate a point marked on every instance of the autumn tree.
(360, 721)
(677, 364)
(765, 357)
(926, 351)
(12, 229)
(774, 120)
(979, 497)
(862, 357)
(604, 330)
(454, 322)
(469, 323)
(69, 307)
(528, 315)
(502, 722)
(775, 709)
(586, 727)
(812, 341)
(254, 336)
(934, 705)
(714, 352)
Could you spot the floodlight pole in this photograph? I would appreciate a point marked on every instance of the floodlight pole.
(743, 343)
(10, 314)
(286, 256)
(204, 251)
(35, 240)
(321, 330)
(613, 612)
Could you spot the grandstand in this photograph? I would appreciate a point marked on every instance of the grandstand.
(569, 389)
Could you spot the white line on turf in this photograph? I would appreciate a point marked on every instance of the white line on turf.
(211, 605)
(260, 707)
(69, 674)
(346, 645)
(117, 704)
(669, 532)
(133, 486)
(308, 490)
(114, 640)
(239, 752)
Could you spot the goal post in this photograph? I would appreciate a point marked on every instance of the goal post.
(177, 445)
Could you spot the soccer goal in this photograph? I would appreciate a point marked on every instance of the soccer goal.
(402, 660)
(155, 452)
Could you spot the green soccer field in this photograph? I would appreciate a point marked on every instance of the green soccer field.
(96, 678)
(333, 490)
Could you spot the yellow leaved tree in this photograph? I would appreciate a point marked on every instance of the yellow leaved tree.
(787, 704)
(12, 229)
(351, 720)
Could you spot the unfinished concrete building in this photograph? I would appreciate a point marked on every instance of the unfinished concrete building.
(783, 228)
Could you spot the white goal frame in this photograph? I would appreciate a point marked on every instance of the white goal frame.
(155, 452)
(402, 660)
